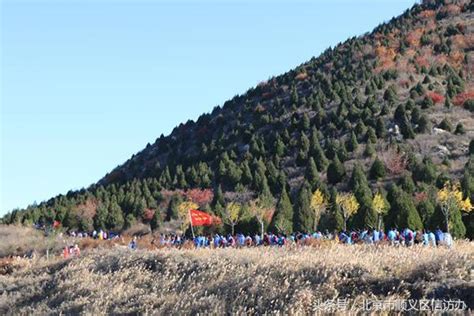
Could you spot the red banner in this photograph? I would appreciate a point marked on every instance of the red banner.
(199, 218)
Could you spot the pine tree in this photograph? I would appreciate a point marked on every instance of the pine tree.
(279, 147)
(406, 183)
(156, 221)
(369, 150)
(317, 152)
(402, 212)
(366, 216)
(115, 219)
(406, 128)
(377, 171)
(380, 128)
(342, 152)
(303, 217)
(352, 143)
(335, 171)
(283, 219)
(305, 123)
(312, 174)
(426, 210)
(337, 220)
(100, 217)
(172, 210)
(371, 136)
(130, 220)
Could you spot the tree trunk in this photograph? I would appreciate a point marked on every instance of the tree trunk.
(262, 229)
(233, 225)
(379, 222)
(445, 210)
(447, 222)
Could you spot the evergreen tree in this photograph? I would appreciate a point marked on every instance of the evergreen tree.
(371, 136)
(312, 174)
(423, 124)
(380, 128)
(335, 171)
(402, 212)
(369, 150)
(130, 220)
(279, 147)
(406, 128)
(407, 184)
(456, 225)
(283, 219)
(424, 171)
(352, 143)
(317, 152)
(303, 217)
(342, 152)
(115, 219)
(426, 210)
(460, 129)
(156, 221)
(366, 216)
(446, 125)
(305, 123)
(172, 211)
(337, 220)
(100, 217)
(377, 171)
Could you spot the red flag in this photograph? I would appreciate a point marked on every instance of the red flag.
(56, 224)
(199, 218)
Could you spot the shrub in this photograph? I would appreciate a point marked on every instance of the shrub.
(460, 129)
(446, 125)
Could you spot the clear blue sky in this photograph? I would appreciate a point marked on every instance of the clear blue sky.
(85, 84)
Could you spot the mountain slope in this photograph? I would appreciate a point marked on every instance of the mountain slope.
(402, 94)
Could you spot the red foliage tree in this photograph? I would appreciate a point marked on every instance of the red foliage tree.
(460, 98)
(148, 214)
(435, 97)
(396, 162)
(201, 197)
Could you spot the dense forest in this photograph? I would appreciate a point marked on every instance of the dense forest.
(376, 131)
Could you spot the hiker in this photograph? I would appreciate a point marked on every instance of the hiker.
(76, 251)
(408, 236)
(392, 236)
(375, 236)
(448, 240)
(439, 236)
(133, 243)
(66, 252)
(426, 238)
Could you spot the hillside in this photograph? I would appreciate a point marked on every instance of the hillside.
(390, 111)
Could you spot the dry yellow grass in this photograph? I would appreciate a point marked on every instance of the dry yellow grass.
(249, 280)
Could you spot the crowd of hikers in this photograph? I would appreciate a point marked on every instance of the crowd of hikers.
(395, 237)
(405, 237)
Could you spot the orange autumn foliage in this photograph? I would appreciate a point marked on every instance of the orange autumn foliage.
(435, 97)
(460, 98)
(301, 76)
(427, 14)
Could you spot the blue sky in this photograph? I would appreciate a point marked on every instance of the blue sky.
(86, 84)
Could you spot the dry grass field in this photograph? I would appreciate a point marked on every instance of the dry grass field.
(250, 280)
